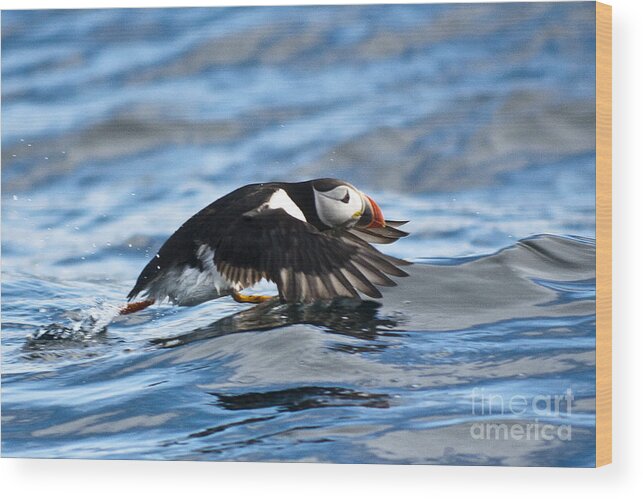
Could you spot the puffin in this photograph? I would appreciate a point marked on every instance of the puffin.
(312, 239)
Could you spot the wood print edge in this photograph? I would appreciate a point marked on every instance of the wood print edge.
(603, 234)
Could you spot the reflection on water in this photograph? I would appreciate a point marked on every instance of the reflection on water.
(474, 122)
(300, 399)
(345, 316)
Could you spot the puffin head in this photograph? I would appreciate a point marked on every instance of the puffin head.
(339, 204)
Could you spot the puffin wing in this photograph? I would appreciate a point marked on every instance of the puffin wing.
(205, 227)
(305, 263)
(380, 235)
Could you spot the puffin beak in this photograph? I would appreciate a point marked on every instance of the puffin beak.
(372, 215)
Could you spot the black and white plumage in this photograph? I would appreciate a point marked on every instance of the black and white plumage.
(310, 238)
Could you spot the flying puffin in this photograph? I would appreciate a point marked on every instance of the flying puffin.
(309, 238)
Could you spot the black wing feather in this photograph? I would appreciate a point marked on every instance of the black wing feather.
(305, 263)
(380, 235)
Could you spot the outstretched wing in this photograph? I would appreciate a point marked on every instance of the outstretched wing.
(305, 263)
(381, 235)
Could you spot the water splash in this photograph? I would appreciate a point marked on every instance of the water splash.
(84, 326)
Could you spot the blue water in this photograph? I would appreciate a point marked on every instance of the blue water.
(474, 122)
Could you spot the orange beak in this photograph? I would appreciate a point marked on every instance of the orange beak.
(373, 216)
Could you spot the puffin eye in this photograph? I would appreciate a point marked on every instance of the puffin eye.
(346, 198)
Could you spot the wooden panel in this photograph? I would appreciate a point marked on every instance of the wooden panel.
(603, 234)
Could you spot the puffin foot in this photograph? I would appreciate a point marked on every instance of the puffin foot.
(241, 298)
(130, 308)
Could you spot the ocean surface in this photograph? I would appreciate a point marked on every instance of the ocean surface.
(473, 122)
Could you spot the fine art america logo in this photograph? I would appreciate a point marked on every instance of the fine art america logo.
(539, 407)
